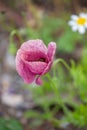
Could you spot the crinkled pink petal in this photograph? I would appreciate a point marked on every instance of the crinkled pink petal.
(36, 67)
(51, 50)
(33, 56)
(34, 46)
(38, 81)
(28, 76)
(23, 70)
(50, 54)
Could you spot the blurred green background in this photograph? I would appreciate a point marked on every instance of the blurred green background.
(61, 102)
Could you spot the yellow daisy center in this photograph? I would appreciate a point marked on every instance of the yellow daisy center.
(81, 21)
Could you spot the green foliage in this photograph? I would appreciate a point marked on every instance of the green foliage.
(60, 90)
(10, 124)
(51, 29)
(57, 30)
(80, 81)
(78, 117)
(67, 41)
(48, 94)
(79, 75)
(46, 31)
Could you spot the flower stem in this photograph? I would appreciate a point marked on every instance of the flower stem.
(63, 62)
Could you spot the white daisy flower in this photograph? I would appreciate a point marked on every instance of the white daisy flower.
(79, 23)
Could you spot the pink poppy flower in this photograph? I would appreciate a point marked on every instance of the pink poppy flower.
(34, 59)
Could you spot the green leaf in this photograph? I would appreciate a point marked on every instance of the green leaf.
(10, 124)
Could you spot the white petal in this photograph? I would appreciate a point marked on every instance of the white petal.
(74, 28)
(84, 15)
(71, 23)
(81, 29)
(85, 25)
(74, 17)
